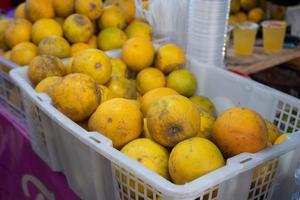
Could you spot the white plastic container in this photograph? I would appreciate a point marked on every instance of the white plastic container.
(10, 95)
(95, 170)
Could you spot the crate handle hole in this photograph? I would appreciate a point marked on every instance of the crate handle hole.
(246, 160)
(95, 139)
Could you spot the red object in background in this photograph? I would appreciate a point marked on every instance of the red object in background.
(239, 73)
(5, 5)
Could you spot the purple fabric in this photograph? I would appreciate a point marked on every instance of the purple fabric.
(10, 13)
(23, 175)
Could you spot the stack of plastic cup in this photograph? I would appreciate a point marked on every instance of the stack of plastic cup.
(207, 28)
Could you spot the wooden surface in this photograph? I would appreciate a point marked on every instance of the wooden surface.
(259, 60)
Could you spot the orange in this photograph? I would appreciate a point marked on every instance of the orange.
(183, 81)
(150, 78)
(150, 154)
(241, 17)
(111, 38)
(127, 7)
(240, 130)
(76, 96)
(169, 58)
(232, 20)
(93, 42)
(248, 4)
(48, 84)
(204, 103)
(63, 8)
(3, 25)
(256, 15)
(273, 132)
(45, 66)
(281, 138)
(235, 6)
(55, 46)
(119, 69)
(193, 158)
(138, 53)
(17, 31)
(112, 17)
(90, 8)
(78, 47)
(93, 62)
(112, 120)
(23, 53)
(77, 28)
(121, 87)
(38, 9)
(20, 11)
(172, 119)
(153, 95)
(44, 28)
(139, 29)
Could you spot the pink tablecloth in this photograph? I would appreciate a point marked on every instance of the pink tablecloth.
(23, 175)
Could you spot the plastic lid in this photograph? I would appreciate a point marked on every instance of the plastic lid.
(246, 25)
(274, 24)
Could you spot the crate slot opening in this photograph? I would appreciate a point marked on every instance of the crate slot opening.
(95, 140)
(245, 160)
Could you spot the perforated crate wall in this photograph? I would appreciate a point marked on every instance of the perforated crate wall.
(132, 188)
(262, 180)
(10, 97)
(287, 117)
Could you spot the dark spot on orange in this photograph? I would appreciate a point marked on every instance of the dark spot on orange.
(139, 159)
(109, 120)
(93, 6)
(173, 130)
(79, 20)
(98, 65)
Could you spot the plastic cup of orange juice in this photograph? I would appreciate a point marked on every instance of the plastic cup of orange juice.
(244, 35)
(273, 35)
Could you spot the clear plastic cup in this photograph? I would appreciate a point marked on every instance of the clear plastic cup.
(228, 36)
(244, 35)
(273, 35)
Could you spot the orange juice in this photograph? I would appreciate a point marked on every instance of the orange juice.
(273, 35)
(244, 36)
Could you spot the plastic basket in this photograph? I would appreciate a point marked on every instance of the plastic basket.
(10, 95)
(95, 170)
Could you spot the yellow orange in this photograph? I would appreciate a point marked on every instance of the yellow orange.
(17, 31)
(76, 96)
(169, 58)
(138, 28)
(63, 8)
(153, 95)
(90, 8)
(150, 78)
(93, 62)
(112, 120)
(77, 28)
(138, 53)
(78, 47)
(38, 9)
(112, 17)
(20, 11)
(23, 53)
(44, 28)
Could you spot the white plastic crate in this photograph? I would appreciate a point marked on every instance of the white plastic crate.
(10, 95)
(95, 170)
